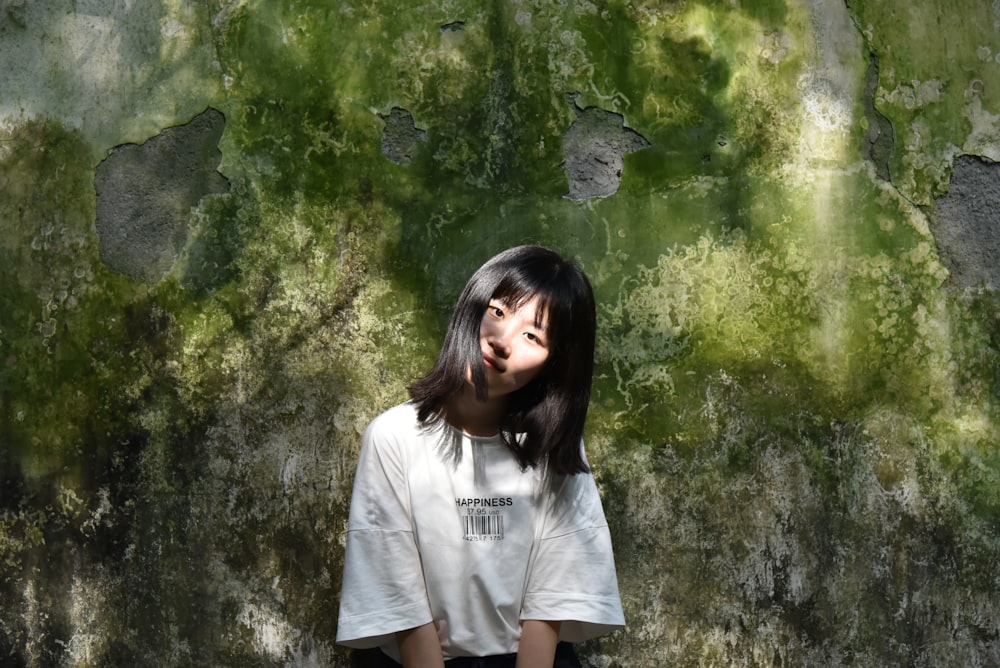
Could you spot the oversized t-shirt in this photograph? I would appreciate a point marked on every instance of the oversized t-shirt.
(446, 527)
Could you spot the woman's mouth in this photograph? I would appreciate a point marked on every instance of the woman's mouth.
(492, 363)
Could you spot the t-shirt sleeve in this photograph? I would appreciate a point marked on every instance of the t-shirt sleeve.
(572, 577)
(383, 588)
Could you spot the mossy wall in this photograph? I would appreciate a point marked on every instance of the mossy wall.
(231, 231)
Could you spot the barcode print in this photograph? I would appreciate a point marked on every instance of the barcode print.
(478, 527)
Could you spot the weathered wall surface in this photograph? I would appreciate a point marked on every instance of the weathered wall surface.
(231, 231)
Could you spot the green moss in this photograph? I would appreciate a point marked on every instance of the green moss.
(937, 74)
(61, 339)
(794, 419)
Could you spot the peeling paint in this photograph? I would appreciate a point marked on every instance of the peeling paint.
(795, 415)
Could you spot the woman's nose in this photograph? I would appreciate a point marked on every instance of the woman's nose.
(498, 341)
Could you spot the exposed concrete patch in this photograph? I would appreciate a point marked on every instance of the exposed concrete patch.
(830, 88)
(594, 147)
(145, 193)
(880, 138)
(399, 135)
(966, 223)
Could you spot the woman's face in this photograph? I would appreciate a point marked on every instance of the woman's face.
(515, 345)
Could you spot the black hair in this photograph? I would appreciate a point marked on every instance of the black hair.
(543, 421)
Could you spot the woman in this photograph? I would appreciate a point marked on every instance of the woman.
(476, 529)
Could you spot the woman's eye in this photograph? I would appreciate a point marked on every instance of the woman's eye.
(497, 311)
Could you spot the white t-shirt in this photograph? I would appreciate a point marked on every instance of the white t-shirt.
(469, 542)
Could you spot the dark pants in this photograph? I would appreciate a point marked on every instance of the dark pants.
(565, 658)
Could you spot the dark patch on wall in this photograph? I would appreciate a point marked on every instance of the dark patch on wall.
(880, 139)
(594, 149)
(965, 223)
(399, 135)
(145, 193)
(13, 12)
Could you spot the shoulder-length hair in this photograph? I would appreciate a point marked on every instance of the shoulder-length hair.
(543, 422)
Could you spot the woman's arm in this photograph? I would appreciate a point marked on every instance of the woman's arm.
(420, 647)
(537, 647)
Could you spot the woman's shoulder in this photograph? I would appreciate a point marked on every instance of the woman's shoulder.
(398, 434)
(401, 416)
(400, 422)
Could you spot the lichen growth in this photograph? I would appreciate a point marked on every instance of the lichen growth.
(794, 419)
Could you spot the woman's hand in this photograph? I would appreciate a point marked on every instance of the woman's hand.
(537, 647)
(420, 647)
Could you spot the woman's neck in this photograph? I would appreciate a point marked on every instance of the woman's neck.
(466, 412)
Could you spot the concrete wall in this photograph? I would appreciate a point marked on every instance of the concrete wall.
(231, 231)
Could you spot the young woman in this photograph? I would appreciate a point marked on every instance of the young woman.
(476, 535)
